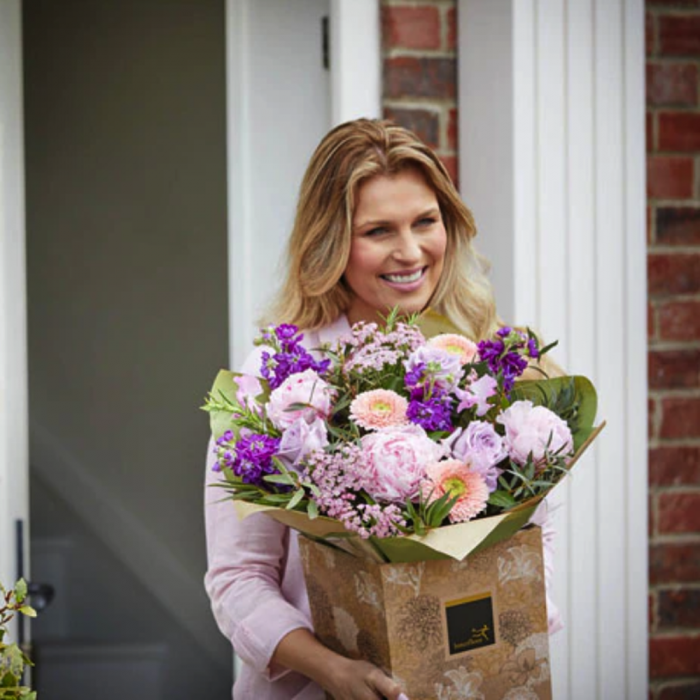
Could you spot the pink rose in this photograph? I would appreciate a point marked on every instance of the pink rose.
(304, 388)
(299, 439)
(395, 460)
(529, 429)
(480, 446)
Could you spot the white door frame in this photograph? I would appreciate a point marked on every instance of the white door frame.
(552, 161)
(14, 449)
(355, 89)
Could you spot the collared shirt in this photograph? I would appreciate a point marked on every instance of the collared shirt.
(256, 584)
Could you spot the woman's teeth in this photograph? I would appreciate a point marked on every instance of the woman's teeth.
(404, 279)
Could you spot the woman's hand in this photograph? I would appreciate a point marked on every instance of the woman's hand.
(359, 680)
(343, 678)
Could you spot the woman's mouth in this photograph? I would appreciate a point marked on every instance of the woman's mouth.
(408, 279)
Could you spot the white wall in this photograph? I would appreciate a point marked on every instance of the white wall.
(552, 162)
(14, 495)
(127, 274)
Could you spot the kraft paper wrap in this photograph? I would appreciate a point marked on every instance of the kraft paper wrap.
(395, 616)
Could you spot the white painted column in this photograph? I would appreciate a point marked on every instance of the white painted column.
(14, 456)
(552, 162)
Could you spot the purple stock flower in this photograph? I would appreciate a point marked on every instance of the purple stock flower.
(532, 349)
(291, 357)
(431, 414)
(253, 457)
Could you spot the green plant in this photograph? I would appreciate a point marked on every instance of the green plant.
(12, 658)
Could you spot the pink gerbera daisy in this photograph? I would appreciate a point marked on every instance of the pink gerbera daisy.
(455, 345)
(380, 408)
(456, 478)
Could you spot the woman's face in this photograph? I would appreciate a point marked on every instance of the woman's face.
(398, 246)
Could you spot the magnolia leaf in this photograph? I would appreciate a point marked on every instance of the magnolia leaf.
(9, 680)
(432, 323)
(13, 659)
(28, 610)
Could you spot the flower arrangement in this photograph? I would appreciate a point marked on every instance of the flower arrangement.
(396, 430)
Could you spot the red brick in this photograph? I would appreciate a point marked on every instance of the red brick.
(680, 418)
(424, 123)
(651, 417)
(673, 273)
(411, 27)
(649, 226)
(674, 563)
(452, 28)
(678, 513)
(651, 611)
(450, 162)
(651, 322)
(452, 130)
(651, 517)
(674, 656)
(679, 608)
(649, 33)
(680, 691)
(679, 131)
(674, 369)
(672, 84)
(650, 131)
(670, 177)
(679, 320)
(679, 35)
(678, 225)
(674, 465)
(408, 76)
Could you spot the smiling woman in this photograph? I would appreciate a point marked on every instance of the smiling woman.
(379, 225)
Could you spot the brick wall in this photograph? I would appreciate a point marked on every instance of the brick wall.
(420, 71)
(673, 190)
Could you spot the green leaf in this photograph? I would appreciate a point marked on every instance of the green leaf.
(502, 499)
(20, 590)
(9, 680)
(294, 501)
(285, 479)
(312, 510)
(28, 610)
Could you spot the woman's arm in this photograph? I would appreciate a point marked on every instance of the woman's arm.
(343, 678)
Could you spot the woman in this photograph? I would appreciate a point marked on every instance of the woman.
(378, 225)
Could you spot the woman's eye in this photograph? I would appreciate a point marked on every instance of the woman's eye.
(376, 231)
(426, 221)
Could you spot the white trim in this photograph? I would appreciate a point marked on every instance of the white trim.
(355, 60)
(151, 562)
(14, 450)
(552, 162)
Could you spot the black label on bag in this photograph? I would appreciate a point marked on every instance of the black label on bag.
(470, 623)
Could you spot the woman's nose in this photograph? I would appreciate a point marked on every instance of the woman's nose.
(407, 248)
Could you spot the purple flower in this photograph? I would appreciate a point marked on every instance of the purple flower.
(431, 414)
(439, 368)
(301, 438)
(509, 365)
(532, 349)
(253, 457)
(477, 393)
(504, 332)
(480, 446)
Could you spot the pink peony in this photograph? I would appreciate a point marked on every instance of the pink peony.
(458, 479)
(380, 408)
(394, 462)
(304, 388)
(299, 439)
(529, 429)
(456, 345)
(480, 446)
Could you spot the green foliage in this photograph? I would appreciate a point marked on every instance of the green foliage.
(425, 516)
(12, 659)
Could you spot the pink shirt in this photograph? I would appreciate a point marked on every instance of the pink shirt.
(256, 584)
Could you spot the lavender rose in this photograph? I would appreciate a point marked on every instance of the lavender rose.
(529, 429)
(395, 460)
(480, 446)
(301, 438)
(303, 387)
(443, 367)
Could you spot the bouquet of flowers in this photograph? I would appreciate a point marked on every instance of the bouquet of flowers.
(396, 432)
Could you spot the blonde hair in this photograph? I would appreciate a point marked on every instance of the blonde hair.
(315, 292)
